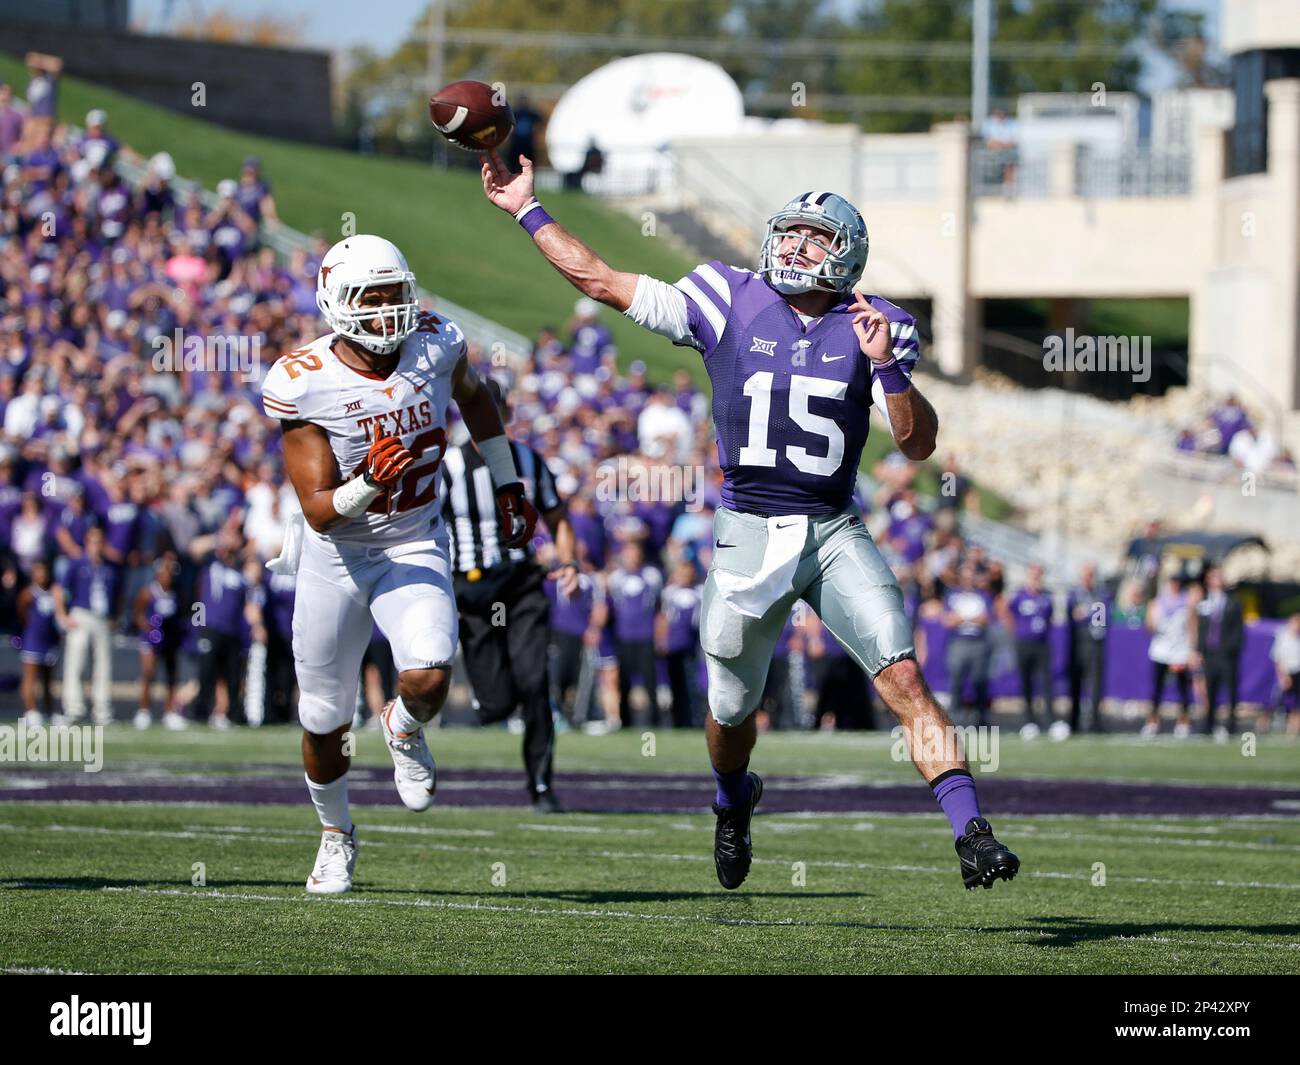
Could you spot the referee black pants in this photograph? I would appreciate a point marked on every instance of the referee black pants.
(507, 663)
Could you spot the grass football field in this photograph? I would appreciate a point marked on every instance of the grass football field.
(1156, 857)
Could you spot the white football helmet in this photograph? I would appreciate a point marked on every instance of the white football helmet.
(348, 269)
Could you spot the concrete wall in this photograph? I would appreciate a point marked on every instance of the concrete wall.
(1251, 24)
(277, 92)
(1231, 246)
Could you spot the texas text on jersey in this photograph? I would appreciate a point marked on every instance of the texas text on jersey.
(356, 407)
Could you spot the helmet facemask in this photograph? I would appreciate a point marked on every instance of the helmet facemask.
(841, 233)
(348, 317)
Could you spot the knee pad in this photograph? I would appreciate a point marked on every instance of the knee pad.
(727, 705)
(428, 649)
(320, 716)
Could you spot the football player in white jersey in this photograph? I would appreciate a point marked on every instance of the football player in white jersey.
(364, 414)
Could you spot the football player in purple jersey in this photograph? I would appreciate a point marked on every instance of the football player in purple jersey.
(797, 357)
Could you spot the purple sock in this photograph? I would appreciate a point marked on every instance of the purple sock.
(955, 791)
(733, 788)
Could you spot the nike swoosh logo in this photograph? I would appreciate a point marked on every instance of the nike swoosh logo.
(832, 358)
(719, 543)
(792, 524)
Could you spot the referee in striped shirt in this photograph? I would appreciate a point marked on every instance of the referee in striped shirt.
(500, 594)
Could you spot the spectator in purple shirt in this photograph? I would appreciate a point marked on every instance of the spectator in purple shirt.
(677, 636)
(161, 620)
(632, 593)
(254, 194)
(41, 164)
(223, 596)
(1229, 418)
(11, 123)
(40, 613)
(1028, 614)
(589, 340)
(570, 620)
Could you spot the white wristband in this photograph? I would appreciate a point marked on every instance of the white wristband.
(352, 497)
(532, 204)
(500, 461)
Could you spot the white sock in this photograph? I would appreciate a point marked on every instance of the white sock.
(331, 802)
(401, 721)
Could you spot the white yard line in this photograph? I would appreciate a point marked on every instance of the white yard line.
(297, 836)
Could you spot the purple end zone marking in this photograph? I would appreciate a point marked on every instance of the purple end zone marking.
(654, 792)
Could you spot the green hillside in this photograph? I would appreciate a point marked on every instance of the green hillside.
(458, 244)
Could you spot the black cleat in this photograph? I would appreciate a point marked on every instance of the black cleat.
(545, 802)
(983, 858)
(732, 852)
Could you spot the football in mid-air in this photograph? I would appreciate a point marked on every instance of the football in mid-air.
(471, 115)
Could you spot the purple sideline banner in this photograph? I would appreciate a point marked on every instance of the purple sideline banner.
(1128, 670)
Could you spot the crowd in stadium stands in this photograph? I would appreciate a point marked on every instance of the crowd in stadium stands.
(1226, 429)
(140, 493)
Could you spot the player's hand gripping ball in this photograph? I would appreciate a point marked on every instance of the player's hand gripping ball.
(386, 461)
(518, 515)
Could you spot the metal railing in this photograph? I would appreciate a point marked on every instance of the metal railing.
(1141, 172)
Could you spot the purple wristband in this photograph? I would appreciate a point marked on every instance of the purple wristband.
(534, 216)
(891, 376)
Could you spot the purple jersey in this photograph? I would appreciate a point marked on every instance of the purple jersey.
(91, 587)
(40, 638)
(1031, 613)
(223, 592)
(571, 614)
(633, 602)
(589, 344)
(121, 522)
(277, 608)
(681, 605)
(791, 397)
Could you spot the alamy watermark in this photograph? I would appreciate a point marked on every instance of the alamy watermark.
(974, 744)
(214, 353)
(645, 482)
(1069, 353)
(35, 744)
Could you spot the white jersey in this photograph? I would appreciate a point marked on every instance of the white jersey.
(355, 408)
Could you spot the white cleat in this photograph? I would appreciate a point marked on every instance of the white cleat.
(1150, 729)
(34, 719)
(335, 862)
(1029, 731)
(142, 720)
(174, 722)
(1059, 730)
(1182, 730)
(413, 770)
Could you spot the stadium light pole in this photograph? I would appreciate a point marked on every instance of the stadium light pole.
(436, 39)
(979, 65)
